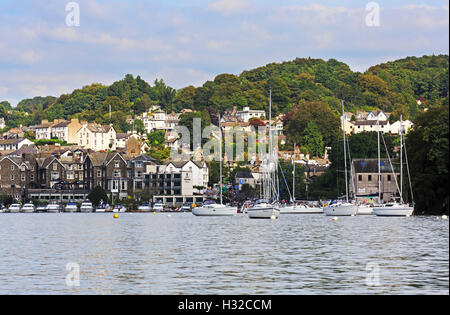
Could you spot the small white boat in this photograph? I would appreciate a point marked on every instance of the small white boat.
(341, 209)
(53, 208)
(41, 208)
(263, 210)
(28, 208)
(145, 207)
(71, 207)
(103, 207)
(119, 208)
(300, 209)
(393, 210)
(14, 208)
(211, 208)
(158, 207)
(86, 206)
(365, 210)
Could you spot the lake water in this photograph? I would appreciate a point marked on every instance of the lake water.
(183, 254)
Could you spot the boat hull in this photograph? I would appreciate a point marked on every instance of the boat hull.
(393, 211)
(210, 212)
(263, 213)
(341, 210)
(300, 210)
(363, 210)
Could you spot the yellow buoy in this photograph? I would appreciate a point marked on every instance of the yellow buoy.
(444, 217)
(273, 217)
(116, 216)
(335, 218)
(169, 215)
(154, 212)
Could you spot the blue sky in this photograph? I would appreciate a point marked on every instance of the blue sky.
(189, 42)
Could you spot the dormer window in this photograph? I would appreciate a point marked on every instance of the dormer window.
(116, 164)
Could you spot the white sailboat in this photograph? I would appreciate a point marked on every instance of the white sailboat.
(295, 208)
(342, 208)
(210, 207)
(395, 209)
(264, 208)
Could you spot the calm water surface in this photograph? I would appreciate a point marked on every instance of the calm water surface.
(184, 254)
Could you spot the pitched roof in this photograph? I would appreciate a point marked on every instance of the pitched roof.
(371, 166)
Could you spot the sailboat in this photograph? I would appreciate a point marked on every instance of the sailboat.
(395, 209)
(264, 208)
(340, 207)
(294, 208)
(210, 207)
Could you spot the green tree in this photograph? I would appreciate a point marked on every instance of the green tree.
(312, 139)
(97, 195)
(428, 153)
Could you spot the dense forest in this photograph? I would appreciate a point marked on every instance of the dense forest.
(393, 86)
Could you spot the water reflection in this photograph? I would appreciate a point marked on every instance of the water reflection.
(183, 254)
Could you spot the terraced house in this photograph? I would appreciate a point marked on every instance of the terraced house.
(17, 175)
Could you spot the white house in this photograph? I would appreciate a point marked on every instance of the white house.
(246, 114)
(13, 144)
(44, 130)
(97, 137)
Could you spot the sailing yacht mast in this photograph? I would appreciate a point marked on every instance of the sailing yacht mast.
(345, 152)
(401, 158)
(293, 175)
(379, 159)
(220, 162)
(270, 145)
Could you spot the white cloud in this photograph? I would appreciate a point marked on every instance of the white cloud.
(227, 7)
(30, 56)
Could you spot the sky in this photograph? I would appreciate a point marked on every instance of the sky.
(43, 51)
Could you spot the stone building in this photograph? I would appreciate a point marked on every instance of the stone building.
(365, 180)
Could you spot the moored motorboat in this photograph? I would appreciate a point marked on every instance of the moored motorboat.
(86, 206)
(15, 208)
(103, 207)
(70, 207)
(53, 208)
(28, 208)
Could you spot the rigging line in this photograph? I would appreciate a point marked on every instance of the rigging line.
(407, 169)
(392, 168)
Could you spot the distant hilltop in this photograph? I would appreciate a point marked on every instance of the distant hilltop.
(401, 87)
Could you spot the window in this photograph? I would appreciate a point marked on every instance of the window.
(369, 178)
(12, 167)
(116, 164)
(54, 176)
(138, 164)
(124, 185)
(69, 175)
(359, 177)
(389, 177)
(99, 173)
(22, 168)
(32, 177)
(22, 177)
(12, 177)
(55, 166)
(116, 173)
